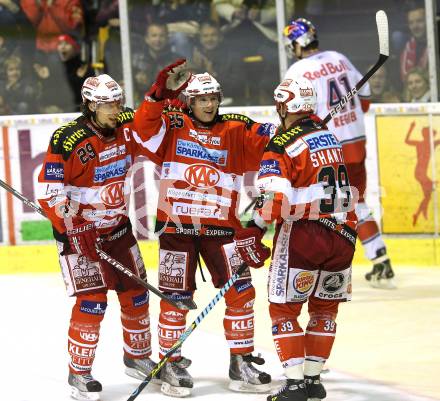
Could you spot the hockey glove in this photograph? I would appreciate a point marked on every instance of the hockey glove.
(83, 239)
(170, 81)
(175, 105)
(248, 244)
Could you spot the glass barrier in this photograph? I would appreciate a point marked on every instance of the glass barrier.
(48, 48)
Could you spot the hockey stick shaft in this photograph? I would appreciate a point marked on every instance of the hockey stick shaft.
(102, 254)
(188, 331)
(382, 30)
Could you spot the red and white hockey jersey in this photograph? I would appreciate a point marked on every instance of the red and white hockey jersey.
(202, 168)
(84, 173)
(303, 176)
(333, 75)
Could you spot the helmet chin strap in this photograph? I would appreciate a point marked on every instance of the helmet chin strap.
(103, 130)
(282, 114)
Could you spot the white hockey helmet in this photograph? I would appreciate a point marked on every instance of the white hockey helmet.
(298, 95)
(202, 84)
(101, 89)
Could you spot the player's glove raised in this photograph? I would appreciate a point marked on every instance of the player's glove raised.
(170, 81)
(248, 244)
(83, 239)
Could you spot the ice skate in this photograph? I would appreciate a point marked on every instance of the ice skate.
(84, 387)
(245, 377)
(315, 389)
(381, 276)
(293, 390)
(140, 368)
(176, 381)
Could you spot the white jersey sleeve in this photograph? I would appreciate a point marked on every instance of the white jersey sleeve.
(333, 75)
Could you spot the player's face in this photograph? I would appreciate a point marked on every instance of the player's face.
(107, 114)
(205, 107)
(297, 51)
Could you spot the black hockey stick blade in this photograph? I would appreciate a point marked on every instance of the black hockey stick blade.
(382, 31)
(180, 304)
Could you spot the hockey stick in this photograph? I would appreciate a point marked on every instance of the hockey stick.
(382, 31)
(188, 331)
(105, 256)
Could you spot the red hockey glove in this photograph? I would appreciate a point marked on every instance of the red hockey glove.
(175, 105)
(83, 239)
(248, 244)
(170, 81)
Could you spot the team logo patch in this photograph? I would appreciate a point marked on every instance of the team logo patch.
(174, 316)
(93, 308)
(320, 141)
(202, 176)
(268, 167)
(275, 329)
(54, 171)
(112, 170)
(303, 282)
(333, 282)
(142, 299)
(242, 287)
(172, 269)
(187, 209)
(113, 194)
(111, 153)
(296, 148)
(196, 151)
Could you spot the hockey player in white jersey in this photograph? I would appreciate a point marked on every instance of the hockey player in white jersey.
(333, 75)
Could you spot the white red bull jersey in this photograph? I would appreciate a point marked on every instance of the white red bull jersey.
(333, 75)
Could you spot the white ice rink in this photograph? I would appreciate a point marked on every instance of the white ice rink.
(33, 335)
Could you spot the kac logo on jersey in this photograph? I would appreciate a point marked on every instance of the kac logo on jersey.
(112, 170)
(196, 151)
(270, 166)
(54, 171)
(202, 176)
(113, 194)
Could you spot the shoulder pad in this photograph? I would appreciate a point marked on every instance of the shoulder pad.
(65, 139)
(236, 117)
(284, 138)
(125, 116)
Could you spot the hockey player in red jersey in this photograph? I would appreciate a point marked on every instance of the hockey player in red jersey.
(84, 192)
(333, 75)
(203, 156)
(305, 188)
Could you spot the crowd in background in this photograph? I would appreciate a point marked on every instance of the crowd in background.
(48, 47)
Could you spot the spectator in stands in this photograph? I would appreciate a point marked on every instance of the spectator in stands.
(52, 18)
(149, 59)
(249, 27)
(18, 92)
(415, 53)
(382, 90)
(183, 18)
(76, 71)
(210, 55)
(417, 86)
